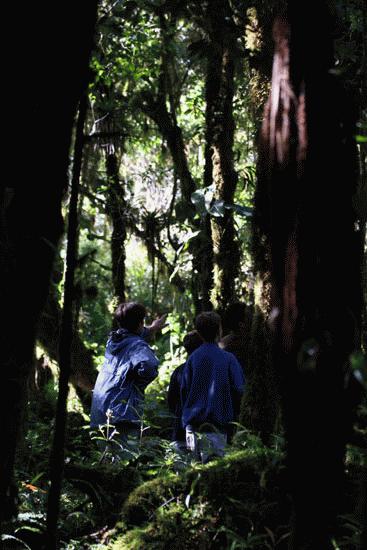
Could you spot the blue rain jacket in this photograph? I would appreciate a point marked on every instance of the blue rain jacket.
(211, 389)
(129, 366)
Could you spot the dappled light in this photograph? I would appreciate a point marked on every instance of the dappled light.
(183, 278)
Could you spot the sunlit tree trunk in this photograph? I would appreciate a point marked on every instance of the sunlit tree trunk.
(166, 119)
(219, 152)
(116, 206)
(308, 163)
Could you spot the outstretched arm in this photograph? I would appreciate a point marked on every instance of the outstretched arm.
(154, 327)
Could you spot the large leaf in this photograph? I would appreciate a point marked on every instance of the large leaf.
(243, 211)
(198, 199)
(217, 209)
(202, 199)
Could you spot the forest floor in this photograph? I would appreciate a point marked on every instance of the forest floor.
(156, 499)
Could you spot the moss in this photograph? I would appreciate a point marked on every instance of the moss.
(173, 527)
(149, 496)
(133, 540)
(209, 507)
(259, 408)
(236, 474)
(227, 474)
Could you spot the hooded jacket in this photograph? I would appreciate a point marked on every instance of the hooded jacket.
(129, 366)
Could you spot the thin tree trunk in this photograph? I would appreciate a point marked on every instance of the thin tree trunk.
(202, 278)
(66, 339)
(166, 120)
(116, 206)
(156, 109)
(219, 150)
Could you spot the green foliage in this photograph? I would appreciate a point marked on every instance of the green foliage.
(164, 499)
(358, 362)
(204, 204)
(196, 509)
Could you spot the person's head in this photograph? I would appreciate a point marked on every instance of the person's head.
(209, 326)
(192, 341)
(235, 317)
(130, 315)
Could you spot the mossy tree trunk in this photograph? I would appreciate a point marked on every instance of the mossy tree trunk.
(260, 404)
(66, 337)
(116, 205)
(162, 109)
(31, 210)
(83, 369)
(307, 163)
(220, 87)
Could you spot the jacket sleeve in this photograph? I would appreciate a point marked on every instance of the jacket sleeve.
(174, 390)
(238, 384)
(144, 366)
(186, 381)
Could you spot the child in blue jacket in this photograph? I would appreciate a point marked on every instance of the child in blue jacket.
(211, 391)
(191, 342)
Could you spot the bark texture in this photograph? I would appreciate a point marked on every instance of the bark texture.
(220, 87)
(308, 231)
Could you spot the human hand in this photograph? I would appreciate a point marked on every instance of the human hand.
(159, 323)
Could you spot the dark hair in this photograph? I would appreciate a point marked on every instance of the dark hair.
(235, 314)
(208, 325)
(129, 315)
(192, 341)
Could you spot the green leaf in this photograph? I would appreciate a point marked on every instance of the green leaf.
(358, 363)
(361, 139)
(243, 211)
(10, 537)
(171, 277)
(38, 476)
(218, 208)
(198, 199)
(30, 528)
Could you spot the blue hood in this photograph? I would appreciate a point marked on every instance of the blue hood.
(119, 339)
(129, 366)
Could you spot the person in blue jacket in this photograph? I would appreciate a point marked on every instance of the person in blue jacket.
(129, 366)
(211, 391)
(191, 342)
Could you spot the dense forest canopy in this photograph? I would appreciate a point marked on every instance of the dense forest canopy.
(195, 155)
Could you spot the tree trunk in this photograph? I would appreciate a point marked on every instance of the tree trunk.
(32, 221)
(202, 278)
(83, 370)
(166, 120)
(116, 205)
(156, 109)
(219, 149)
(66, 338)
(260, 403)
(308, 162)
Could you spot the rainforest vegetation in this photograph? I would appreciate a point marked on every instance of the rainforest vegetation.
(187, 155)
